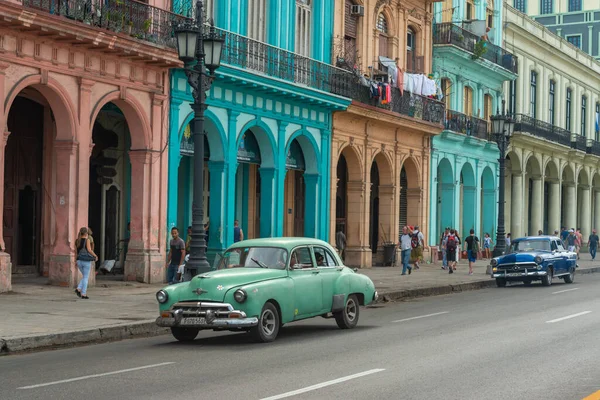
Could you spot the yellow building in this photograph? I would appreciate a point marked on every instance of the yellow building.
(381, 148)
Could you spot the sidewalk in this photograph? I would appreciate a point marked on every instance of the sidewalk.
(37, 316)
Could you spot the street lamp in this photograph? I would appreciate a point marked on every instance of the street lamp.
(198, 52)
(502, 129)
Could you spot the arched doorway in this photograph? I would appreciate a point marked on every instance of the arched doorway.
(374, 208)
(467, 199)
(382, 195)
(294, 191)
(445, 200)
(410, 195)
(109, 208)
(488, 203)
(341, 196)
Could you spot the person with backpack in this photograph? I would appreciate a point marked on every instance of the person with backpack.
(417, 242)
(406, 249)
(472, 246)
(451, 246)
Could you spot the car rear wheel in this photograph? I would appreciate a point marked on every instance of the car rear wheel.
(571, 277)
(547, 279)
(348, 317)
(268, 324)
(500, 282)
(184, 334)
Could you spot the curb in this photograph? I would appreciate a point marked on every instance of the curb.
(394, 295)
(68, 339)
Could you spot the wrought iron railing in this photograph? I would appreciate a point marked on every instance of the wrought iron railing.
(130, 17)
(594, 148)
(470, 126)
(525, 123)
(580, 142)
(448, 33)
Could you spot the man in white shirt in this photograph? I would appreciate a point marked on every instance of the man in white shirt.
(405, 248)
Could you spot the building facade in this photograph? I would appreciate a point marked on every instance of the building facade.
(84, 93)
(380, 157)
(576, 21)
(268, 124)
(553, 176)
(471, 68)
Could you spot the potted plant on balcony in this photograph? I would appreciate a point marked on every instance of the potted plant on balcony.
(480, 49)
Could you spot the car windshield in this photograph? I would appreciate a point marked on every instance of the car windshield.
(520, 246)
(254, 257)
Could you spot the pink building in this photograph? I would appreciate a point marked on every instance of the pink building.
(84, 109)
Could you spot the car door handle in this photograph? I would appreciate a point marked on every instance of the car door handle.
(316, 272)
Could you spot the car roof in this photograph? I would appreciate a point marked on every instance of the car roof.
(538, 237)
(285, 242)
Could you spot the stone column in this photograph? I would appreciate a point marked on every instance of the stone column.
(5, 264)
(571, 206)
(312, 202)
(62, 269)
(586, 214)
(553, 206)
(358, 252)
(516, 219)
(230, 180)
(537, 205)
(216, 239)
(596, 209)
(268, 190)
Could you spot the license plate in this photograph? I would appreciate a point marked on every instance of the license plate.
(193, 321)
(514, 274)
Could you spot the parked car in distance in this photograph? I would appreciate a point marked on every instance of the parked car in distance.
(261, 284)
(535, 258)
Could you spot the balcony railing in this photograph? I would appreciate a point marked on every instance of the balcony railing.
(408, 104)
(130, 17)
(448, 33)
(594, 148)
(470, 126)
(580, 142)
(525, 123)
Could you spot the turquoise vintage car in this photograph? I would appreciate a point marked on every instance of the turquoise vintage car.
(261, 284)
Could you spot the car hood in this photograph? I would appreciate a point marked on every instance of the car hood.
(521, 257)
(216, 284)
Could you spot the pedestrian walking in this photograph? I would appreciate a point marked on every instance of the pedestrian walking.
(571, 240)
(507, 240)
(593, 244)
(540, 233)
(238, 233)
(443, 247)
(451, 246)
(487, 245)
(418, 241)
(564, 233)
(472, 247)
(85, 256)
(459, 241)
(175, 258)
(340, 242)
(405, 250)
(578, 241)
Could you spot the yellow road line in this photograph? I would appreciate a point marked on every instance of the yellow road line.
(593, 396)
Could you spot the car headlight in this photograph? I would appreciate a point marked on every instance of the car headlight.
(240, 295)
(162, 296)
(538, 260)
(494, 262)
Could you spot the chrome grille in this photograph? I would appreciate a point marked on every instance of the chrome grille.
(199, 308)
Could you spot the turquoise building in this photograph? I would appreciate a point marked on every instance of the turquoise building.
(268, 123)
(471, 67)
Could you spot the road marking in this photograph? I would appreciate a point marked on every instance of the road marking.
(568, 317)
(593, 396)
(566, 290)
(96, 375)
(324, 384)
(422, 316)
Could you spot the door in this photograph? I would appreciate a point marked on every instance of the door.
(329, 271)
(560, 263)
(299, 204)
(308, 288)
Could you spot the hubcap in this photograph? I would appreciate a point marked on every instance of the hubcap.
(268, 322)
(351, 310)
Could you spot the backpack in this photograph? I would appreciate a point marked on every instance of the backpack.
(451, 243)
(414, 240)
(475, 245)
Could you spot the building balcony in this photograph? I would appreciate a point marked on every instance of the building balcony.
(449, 34)
(471, 126)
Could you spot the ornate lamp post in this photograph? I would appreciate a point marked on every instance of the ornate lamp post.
(502, 129)
(199, 52)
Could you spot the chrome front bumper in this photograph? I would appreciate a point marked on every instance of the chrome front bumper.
(205, 316)
(516, 275)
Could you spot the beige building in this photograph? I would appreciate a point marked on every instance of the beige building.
(381, 152)
(553, 174)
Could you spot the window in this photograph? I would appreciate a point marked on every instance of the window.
(575, 40)
(350, 33)
(546, 6)
(469, 11)
(520, 5)
(468, 101)
(303, 27)
(382, 27)
(568, 111)
(533, 95)
(257, 13)
(410, 40)
(487, 107)
(301, 258)
(445, 84)
(574, 5)
(209, 9)
(583, 116)
(512, 97)
(324, 258)
(597, 129)
(490, 13)
(551, 103)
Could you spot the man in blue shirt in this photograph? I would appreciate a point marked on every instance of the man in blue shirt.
(564, 233)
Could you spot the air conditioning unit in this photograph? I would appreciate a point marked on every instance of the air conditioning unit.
(358, 10)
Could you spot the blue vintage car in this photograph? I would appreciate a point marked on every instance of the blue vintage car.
(535, 258)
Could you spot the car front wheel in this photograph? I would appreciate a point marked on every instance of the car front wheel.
(571, 277)
(268, 324)
(500, 282)
(348, 317)
(547, 279)
(184, 334)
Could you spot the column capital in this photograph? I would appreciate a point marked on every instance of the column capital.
(158, 99)
(536, 177)
(86, 84)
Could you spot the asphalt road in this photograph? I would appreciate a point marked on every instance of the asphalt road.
(510, 343)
